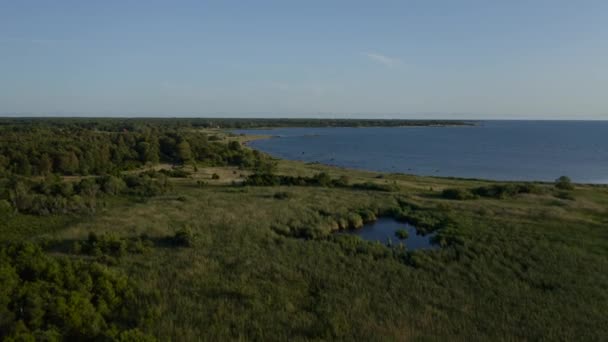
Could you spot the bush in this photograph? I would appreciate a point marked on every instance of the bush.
(401, 234)
(281, 195)
(354, 220)
(112, 185)
(111, 245)
(343, 181)
(457, 194)
(376, 187)
(176, 173)
(5, 207)
(215, 176)
(564, 183)
(497, 191)
(565, 195)
(367, 215)
(321, 179)
(184, 237)
(107, 244)
(147, 185)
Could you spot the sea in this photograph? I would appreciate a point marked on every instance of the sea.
(494, 150)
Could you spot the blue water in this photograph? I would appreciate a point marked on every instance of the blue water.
(383, 230)
(499, 150)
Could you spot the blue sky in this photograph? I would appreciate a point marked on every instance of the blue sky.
(412, 59)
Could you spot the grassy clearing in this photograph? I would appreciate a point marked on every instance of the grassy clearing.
(531, 266)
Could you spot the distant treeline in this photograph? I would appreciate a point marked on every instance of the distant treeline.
(131, 124)
(39, 147)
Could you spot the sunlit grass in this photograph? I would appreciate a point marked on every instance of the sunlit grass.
(527, 267)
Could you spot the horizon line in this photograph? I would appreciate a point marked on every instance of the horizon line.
(126, 116)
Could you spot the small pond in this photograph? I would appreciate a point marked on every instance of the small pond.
(383, 230)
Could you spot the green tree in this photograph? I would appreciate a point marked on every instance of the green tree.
(45, 165)
(564, 183)
(23, 165)
(234, 145)
(148, 152)
(184, 153)
(68, 163)
(113, 185)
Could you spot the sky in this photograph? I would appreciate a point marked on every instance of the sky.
(464, 59)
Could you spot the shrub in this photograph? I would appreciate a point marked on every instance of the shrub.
(215, 176)
(184, 237)
(342, 223)
(497, 191)
(322, 179)
(112, 185)
(564, 195)
(107, 244)
(529, 188)
(367, 215)
(343, 181)
(176, 173)
(5, 207)
(457, 194)
(355, 220)
(376, 187)
(147, 185)
(111, 245)
(401, 234)
(500, 191)
(281, 195)
(564, 183)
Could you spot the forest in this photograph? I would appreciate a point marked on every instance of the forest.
(118, 124)
(71, 149)
(174, 229)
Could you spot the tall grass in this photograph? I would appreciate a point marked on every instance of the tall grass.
(268, 268)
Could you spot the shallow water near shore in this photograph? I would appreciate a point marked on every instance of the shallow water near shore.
(383, 230)
(496, 150)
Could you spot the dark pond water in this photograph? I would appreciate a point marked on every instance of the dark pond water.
(499, 150)
(384, 229)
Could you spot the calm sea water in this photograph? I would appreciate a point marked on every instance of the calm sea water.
(499, 150)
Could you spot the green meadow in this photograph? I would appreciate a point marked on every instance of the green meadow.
(212, 258)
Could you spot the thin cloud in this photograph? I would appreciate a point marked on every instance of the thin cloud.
(383, 59)
(39, 42)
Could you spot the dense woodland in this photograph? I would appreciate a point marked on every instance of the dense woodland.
(41, 150)
(160, 229)
(50, 149)
(49, 299)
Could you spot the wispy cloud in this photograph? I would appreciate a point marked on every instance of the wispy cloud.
(38, 42)
(382, 59)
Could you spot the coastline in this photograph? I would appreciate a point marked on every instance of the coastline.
(247, 139)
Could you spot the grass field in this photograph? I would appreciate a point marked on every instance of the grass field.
(528, 267)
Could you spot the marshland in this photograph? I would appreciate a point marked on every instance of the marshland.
(176, 230)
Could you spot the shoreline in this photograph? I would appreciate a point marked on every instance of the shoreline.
(247, 139)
